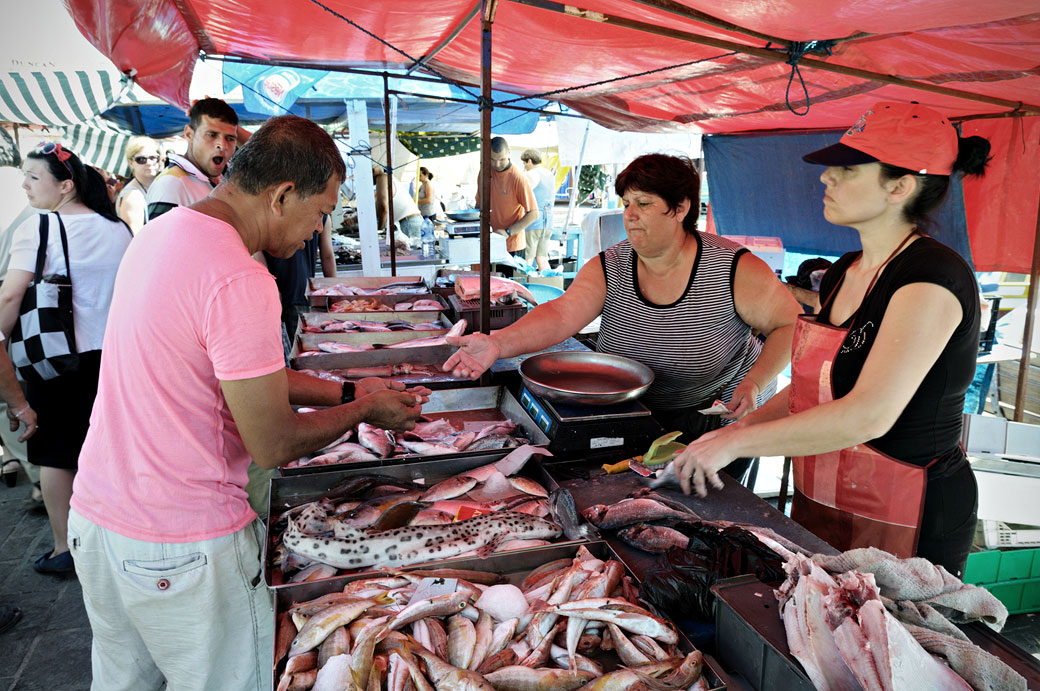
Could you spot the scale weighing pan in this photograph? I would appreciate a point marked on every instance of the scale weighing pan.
(464, 215)
(588, 378)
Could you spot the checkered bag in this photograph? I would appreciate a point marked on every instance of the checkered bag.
(43, 341)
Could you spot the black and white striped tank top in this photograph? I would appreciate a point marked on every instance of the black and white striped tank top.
(698, 347)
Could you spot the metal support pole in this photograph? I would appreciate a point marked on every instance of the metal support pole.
(573, 196)
(487, 14)
(1027, 335)
(364, 189)
(390, 239)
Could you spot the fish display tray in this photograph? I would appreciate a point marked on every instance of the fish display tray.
(750, 637)
(501, 315)
(287, 492)
(316, 318)
(751, 640)
(513, 566)
(419, 355)
(366, 282)
(325, 302)
(475, 405)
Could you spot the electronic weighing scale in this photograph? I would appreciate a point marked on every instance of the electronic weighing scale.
(584, 430)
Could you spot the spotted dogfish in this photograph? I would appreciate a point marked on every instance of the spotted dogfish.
(354, 548)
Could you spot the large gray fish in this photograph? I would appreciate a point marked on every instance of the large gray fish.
(493, 441)
(629, 511)
(565, 512)
(427, 448)
(353, 548)
(655, 539)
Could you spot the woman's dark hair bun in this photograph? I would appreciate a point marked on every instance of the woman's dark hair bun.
(972, 155)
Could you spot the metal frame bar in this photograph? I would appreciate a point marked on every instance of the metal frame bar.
(772, 55)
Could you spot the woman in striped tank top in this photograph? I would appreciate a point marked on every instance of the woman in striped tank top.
(684, 303)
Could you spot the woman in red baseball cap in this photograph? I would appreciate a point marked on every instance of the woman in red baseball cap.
(872, 418)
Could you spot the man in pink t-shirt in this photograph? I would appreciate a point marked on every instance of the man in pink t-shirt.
(193, 386)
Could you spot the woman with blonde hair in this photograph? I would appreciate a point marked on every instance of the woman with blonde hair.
(142, 153)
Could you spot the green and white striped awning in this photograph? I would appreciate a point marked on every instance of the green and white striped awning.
(99, 144)
(57, 98)
(72, 101)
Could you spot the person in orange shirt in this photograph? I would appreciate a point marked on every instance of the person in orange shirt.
(513, 206)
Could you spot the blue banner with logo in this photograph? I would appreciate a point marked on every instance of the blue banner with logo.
(269, 90)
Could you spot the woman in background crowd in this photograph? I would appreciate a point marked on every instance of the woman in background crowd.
(142, 153)
(75, 198)
(428, 204)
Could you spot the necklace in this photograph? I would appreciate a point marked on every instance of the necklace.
(63, 202)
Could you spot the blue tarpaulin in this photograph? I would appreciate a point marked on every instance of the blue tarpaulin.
(759, 185)
(322, 96)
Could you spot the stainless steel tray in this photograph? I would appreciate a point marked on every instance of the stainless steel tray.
(478, 404)
(325, 302)
(419, 355)
(513, 566)
(287, 492)
(589, 378)
(315, 318)
(367, 282)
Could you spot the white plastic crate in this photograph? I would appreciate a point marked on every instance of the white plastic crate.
(1000, 534)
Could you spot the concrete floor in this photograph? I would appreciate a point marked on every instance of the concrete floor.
(49, 649)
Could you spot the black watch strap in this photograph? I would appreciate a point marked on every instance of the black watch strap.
(348, 392)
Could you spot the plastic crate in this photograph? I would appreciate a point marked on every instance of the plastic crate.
(1020, 597)
(501, 315)
(997, 565)
(1013, 576)
(999, 534)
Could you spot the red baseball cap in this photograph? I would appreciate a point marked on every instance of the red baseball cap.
(907, 135)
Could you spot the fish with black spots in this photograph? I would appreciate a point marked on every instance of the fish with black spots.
(353, 549)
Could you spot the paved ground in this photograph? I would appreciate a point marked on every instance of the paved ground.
(49, 649)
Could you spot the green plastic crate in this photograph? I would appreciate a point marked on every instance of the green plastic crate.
(1018, 596)
(1013, 576)
(998, 565)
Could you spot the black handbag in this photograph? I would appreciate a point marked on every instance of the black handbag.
(43, 341)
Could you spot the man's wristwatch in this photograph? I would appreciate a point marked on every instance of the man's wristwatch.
(348, 392)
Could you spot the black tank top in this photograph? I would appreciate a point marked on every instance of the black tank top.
(697, 346)
(930, 425)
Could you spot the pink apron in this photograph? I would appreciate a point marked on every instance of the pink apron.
(854, 497)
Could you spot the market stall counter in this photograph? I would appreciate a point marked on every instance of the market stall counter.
(392, 497)
(750, 637)
(493, 659)
(590, 485)
(458, 423)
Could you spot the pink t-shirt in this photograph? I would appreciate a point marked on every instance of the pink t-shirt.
(163, 460)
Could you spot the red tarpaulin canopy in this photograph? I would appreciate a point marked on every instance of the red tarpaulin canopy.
(672, 65)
